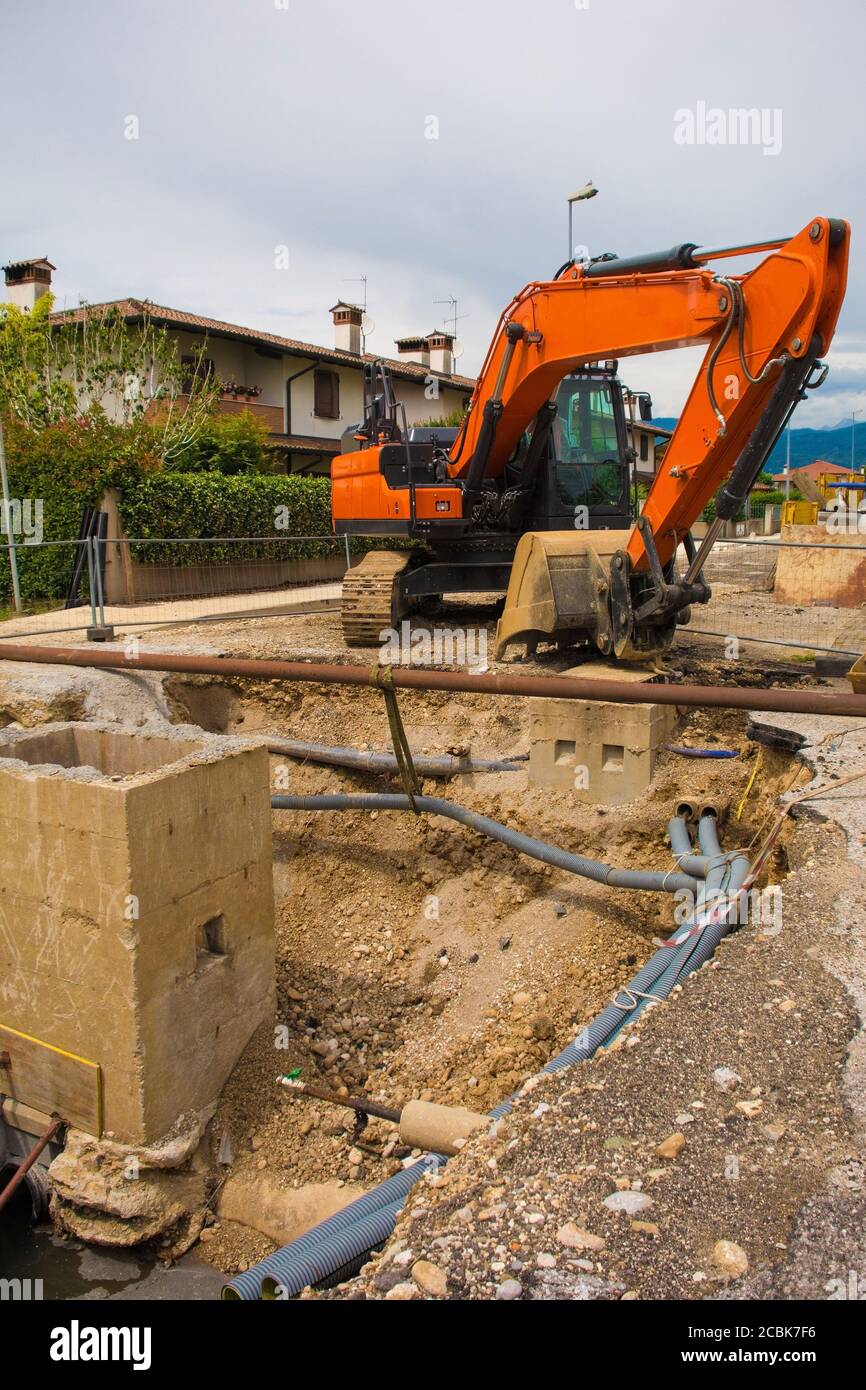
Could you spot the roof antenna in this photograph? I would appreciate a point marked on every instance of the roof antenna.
(368, 327)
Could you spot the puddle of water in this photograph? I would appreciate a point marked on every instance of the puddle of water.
(71, 1271)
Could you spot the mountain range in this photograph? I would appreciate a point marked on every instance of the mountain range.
(832, 445)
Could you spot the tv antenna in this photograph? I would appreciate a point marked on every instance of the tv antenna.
(368, 326)
(453, 315)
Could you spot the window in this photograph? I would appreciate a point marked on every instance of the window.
(589, 468)
(195, 368)
(588, 424)
(326, 397)
(644, 447)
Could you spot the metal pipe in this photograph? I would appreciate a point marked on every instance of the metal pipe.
(702, 254)
(359, 1103)
(97, 574)
(24, 1167)
(363, 760)
(418, 678)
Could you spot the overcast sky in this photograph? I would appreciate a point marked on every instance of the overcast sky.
(305, 124)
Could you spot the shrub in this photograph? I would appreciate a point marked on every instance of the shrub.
(231, 444)
(66, 467)
(174, 506)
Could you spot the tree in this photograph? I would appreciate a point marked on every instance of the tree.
(91, 362)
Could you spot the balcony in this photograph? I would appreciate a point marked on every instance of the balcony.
(272, 415)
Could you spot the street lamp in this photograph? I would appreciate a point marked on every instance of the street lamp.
(588, 191)
(854, 413)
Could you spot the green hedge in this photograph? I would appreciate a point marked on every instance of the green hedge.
(64, 468)
(757, 504)
(177, 506)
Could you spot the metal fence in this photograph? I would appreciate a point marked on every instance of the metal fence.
(95, 583)
(804, 596)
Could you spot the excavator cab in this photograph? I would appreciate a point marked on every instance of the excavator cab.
(586, 482)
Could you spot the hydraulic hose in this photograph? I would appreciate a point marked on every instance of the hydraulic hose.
(650, 881)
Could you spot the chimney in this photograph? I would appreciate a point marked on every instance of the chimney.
(27, 281)
(413, 350)
(347, 327)
(441, 355)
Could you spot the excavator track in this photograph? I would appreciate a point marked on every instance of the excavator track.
(369, 597)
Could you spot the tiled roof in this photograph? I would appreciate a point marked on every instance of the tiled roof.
(814, 469)
(303, 444)
(31, 260)
(132, 309)
(648, 428)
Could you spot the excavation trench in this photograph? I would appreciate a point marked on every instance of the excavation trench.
(417, 957)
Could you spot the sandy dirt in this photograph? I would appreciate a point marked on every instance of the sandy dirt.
(415, 958)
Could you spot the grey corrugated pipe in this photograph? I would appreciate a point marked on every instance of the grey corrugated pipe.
(363, 760)
(648, 880)
(344, 1239)
(681, 847)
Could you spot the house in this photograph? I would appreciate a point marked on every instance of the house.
(647, 440)
(307, 395)
(643, 436)
(813, 471)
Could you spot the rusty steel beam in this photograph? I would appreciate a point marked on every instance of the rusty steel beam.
(420, 678)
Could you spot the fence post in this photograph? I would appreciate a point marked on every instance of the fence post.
(91, 588)
(8, 527)
(99, 631)
(348, 554)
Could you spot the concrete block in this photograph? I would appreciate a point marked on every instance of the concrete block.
(600, 753)
(136, 909)
(832, 572)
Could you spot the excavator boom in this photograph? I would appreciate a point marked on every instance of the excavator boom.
(764, 333)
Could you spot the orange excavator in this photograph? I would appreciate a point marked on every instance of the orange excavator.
(534, 496)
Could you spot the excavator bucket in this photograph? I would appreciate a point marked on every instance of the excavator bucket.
(558, 589)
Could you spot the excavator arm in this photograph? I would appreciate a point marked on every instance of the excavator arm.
(764, 332)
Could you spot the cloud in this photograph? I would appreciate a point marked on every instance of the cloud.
(307, 126)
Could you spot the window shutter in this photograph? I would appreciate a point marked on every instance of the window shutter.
(326, 395)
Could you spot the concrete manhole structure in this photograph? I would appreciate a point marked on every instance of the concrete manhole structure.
(136, 940)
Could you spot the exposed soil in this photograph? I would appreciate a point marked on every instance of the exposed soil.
(416, 958)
